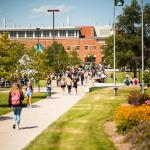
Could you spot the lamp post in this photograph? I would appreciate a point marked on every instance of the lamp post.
(142, 48)
(116, 3)
(53, 11)
(38, 30)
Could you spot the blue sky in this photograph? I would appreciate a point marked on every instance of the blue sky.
(81, 12)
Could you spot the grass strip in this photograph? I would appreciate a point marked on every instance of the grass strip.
(4, 108)
(82, 127)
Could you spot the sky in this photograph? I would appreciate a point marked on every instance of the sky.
(23, 13)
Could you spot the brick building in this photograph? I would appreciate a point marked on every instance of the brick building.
(89, 41)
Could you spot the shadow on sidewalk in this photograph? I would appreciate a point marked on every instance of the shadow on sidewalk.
(29, 127)
(3, 118)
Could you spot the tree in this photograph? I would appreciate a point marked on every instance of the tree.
(74, 58)
(56, 57)
(10, 53)
(128, 37)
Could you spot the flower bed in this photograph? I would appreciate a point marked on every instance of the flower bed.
(127, 116)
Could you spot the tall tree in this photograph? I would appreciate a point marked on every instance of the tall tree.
(128, 37)
(56, 57)
(74, 58)
(10, 53)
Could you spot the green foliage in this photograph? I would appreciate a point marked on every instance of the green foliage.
(147, 78)
(136, 98)
(74, 58)
(128, 38)
(56, 57)
(139, 136)
(10, 53)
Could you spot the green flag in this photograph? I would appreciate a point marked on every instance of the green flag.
(119, 2)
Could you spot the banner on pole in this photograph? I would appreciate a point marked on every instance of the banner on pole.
(119, 2)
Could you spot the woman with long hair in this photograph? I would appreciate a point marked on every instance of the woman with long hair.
(15, 102)
(29, 90)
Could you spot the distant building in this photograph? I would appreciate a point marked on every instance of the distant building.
(89, 41)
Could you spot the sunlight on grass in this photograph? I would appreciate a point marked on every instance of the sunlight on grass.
(81, 128)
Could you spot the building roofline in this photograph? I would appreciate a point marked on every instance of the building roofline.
(41, 28)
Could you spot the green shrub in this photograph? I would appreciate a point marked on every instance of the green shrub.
(139, 136)
(136, 98)
(147, 78)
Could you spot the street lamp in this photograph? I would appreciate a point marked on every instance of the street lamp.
(142, 48)
(38, 31)
(53, 11)
(116, 3)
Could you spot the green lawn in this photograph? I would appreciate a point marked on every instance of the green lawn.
(4, 108)
(82, 127)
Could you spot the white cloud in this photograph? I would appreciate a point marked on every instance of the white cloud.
(42, 10)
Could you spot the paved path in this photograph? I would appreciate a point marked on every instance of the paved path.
(35, 120)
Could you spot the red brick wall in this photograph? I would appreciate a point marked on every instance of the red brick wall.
(72, 43)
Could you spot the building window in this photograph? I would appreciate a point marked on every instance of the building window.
(29, 33)
(94, 47)
(56, 33)
(13, 34)
(68, 48)
(102, 46)
(37, 33)
(70, 32)
(21, 34)
(63, 33)
(45, 33)
(86, 47)
(78, 48)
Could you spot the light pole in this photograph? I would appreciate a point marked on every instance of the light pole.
(53, 11)
(38, 30)
(142, 48)
(116, 3)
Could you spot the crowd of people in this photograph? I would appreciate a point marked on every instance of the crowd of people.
(69, 80)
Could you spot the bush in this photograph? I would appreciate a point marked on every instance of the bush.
(139, 136)
(147, 78)
(136, 98)
(127, 116)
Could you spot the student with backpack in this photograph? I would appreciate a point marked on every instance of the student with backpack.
(15, 102)
(135, 81)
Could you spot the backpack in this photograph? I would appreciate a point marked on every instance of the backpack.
(127, 82)
(135, 81)
(15, 98)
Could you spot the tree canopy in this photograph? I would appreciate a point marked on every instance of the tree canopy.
(128, 38)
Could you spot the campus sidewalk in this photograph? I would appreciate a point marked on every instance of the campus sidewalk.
(34, 120)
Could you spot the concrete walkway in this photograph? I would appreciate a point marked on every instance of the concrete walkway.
(35, 120)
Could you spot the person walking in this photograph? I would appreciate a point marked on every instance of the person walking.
(15, 102)
(48, 87)
(29, 91)
(63, 84)
(75, 84)
(69, 84)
